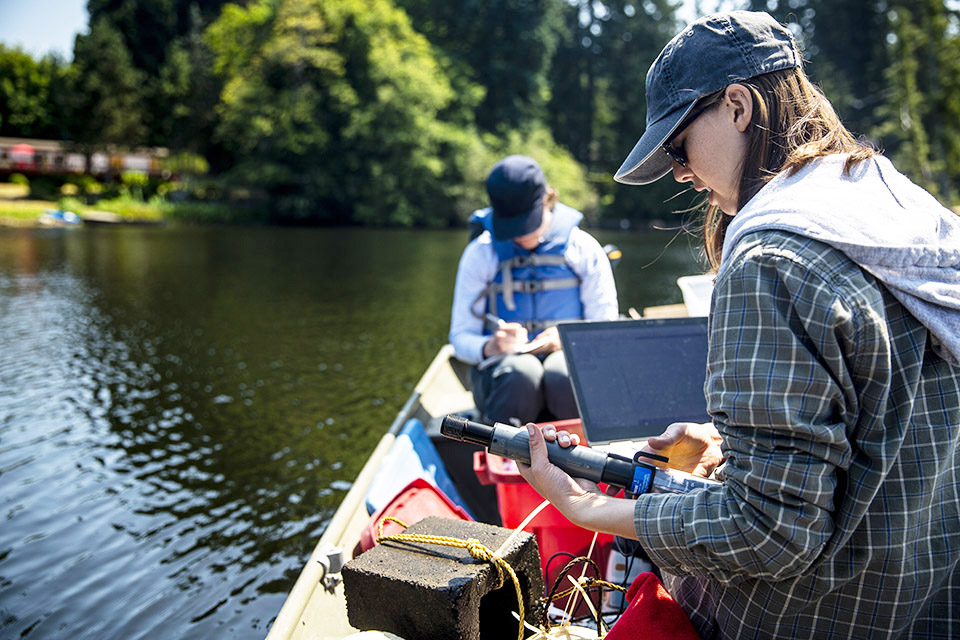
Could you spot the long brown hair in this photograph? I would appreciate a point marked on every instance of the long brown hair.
(792, 124)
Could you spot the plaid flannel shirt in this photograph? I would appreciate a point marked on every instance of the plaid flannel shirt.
(838, 514)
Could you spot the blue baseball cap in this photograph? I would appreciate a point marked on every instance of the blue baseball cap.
(516, 186)
(708, 55)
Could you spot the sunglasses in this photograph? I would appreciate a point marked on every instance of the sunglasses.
(679, 155)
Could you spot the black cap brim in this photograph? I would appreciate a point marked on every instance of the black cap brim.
(507, 228)
(648, 162)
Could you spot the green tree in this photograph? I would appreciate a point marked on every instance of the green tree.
(505, 46)
(921, 120)
(164, 42)
(184, 96)
(947, 108)
(903, 125)
(845, 45)
(335, 107)
(150, 26)
(27, 108)
(598, 105)
(103, 100)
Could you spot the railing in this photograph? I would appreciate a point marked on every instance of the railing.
(55, 157)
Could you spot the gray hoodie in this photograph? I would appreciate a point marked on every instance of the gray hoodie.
(889, 226)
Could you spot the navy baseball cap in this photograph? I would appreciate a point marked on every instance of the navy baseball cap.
(708, 55)
(516, 186)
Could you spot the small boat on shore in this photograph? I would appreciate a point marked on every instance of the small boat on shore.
(59, 218)
(91, 217)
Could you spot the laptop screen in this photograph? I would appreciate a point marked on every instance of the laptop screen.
(632, 378)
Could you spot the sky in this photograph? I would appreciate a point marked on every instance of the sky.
(41, 26)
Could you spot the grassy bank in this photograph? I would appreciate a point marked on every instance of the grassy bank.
(17, 209)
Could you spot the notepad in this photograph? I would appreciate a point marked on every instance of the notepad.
(524, 348)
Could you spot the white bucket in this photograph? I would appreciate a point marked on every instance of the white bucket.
(696, 292)
(617, 565)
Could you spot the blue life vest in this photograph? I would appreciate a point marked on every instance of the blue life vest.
(537, 289)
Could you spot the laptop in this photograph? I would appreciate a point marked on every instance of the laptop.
(632, 378)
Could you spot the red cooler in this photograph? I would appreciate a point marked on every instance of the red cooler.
(415, 502)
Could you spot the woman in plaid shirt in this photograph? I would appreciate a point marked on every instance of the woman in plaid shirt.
(832, 376)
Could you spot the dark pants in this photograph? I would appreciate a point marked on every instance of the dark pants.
(523, 387)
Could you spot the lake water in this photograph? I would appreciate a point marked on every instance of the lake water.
(182, 409)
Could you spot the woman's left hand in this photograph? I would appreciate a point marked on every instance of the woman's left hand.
(691, 447)
(547, 341)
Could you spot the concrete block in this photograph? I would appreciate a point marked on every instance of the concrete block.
(425, 591)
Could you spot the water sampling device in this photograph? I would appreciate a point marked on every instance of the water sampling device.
(633, 475)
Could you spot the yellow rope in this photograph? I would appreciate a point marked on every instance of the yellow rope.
(476, 549)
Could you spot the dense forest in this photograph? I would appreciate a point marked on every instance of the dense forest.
(390, 112)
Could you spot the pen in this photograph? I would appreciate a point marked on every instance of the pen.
(486, 362)
(494, 319)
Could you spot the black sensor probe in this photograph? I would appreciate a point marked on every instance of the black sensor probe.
(632, 475)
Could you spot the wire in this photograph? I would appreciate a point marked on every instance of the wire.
(596, 584)
(546, 568)
(626, 577)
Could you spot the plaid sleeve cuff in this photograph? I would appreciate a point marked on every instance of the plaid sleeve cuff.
(658, 521)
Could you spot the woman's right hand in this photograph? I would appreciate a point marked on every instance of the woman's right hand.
(508, 337)
(691, 447)
(581, 501)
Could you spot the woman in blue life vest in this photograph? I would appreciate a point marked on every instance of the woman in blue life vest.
(531, 268)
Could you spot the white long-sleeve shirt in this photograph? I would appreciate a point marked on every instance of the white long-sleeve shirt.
(478, 267)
